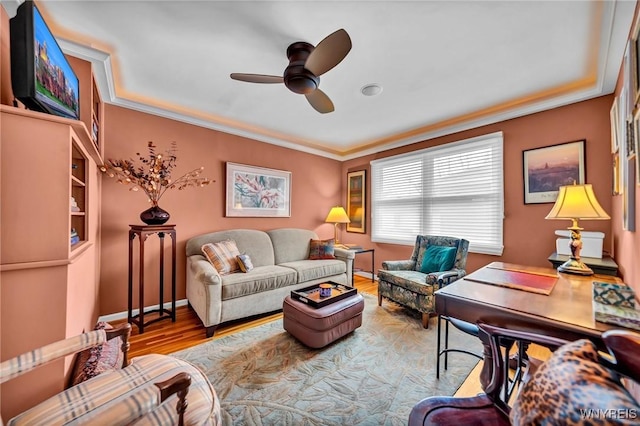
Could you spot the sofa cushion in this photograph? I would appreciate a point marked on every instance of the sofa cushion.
(261, 278)
(321, 249)
(291, 244)
(308, 270)
(222, 256)
(412, 280)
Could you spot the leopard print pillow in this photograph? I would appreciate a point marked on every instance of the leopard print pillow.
(572, 388)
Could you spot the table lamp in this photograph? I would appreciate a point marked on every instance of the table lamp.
(576, 202)
(336, 216)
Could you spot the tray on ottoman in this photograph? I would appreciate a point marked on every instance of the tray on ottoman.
(311, 295)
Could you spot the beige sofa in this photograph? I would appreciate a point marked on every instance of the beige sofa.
(281, 263)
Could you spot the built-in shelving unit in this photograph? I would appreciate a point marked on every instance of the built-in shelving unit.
(96, 116)
(78, 205)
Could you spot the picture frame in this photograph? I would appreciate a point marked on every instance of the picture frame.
(356, 201)
(631, 137)
(615, 120)
(636, 123)
(629, 198)
(634, 69)
(257, 191)
(548, 168)
(616, 174)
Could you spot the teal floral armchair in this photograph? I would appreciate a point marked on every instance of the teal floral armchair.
(435, 262)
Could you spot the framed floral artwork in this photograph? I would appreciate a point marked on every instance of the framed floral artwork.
(257, 192)
(356, 205)
(547, 169)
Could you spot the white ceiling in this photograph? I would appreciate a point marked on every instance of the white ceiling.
(444, 66)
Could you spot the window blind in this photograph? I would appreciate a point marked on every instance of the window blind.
(454, 190)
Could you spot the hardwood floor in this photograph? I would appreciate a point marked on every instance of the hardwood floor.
(165, 337)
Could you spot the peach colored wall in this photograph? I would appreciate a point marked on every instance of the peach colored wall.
(316, 184)
(626, 243)
(41, 316)
(528, 237)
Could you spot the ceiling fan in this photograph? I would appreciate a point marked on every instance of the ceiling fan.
(306, 64)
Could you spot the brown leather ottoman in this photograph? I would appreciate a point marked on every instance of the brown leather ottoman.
(317, 328)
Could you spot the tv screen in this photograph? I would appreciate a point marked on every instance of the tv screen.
(41, 77)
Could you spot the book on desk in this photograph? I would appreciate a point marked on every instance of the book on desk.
(534, 282)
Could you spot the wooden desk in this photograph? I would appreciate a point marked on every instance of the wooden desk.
(566, 313)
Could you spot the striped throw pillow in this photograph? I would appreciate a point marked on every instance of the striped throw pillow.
(222, 256)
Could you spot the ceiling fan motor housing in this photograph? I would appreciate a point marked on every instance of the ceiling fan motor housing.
(296, 77)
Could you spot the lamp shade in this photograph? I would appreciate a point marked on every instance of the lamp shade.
(337, 215)
(577, 202)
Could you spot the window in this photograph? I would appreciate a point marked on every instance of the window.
(454, 190)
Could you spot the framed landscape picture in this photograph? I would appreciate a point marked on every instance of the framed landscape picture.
(257, 192)
(547, 169)
(356, 182)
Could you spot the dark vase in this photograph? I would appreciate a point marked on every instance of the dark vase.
(154, 216)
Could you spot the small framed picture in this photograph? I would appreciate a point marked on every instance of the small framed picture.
(547, 169)
(356, 203)
(615, 120)
(616, 174)
(636, 134)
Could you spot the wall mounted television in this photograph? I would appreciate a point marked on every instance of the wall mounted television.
(41, 77)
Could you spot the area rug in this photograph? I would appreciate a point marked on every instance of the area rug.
(374, 376)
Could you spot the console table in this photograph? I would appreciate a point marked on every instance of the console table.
(142, 232)
(373, 263)
(604, 266)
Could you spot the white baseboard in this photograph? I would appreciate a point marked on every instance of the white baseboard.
(365, 274)
(123, 315)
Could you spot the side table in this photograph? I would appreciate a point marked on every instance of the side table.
(142, 232)
(373, 263)
(604, 266)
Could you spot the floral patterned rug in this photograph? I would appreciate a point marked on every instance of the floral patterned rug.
(374, 376)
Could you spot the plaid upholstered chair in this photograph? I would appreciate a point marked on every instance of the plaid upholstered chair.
(435, 262)
(147, 390)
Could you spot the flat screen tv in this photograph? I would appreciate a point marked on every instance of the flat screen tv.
(41, 77)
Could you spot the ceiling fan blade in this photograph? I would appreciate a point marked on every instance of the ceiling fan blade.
(257, 78)
(320, 101)
(329, 52)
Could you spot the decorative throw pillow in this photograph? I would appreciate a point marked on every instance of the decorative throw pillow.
(98, 359)
(571, 385)
(244, 262)
(222, 256)
(321, 249)
(438, 258)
